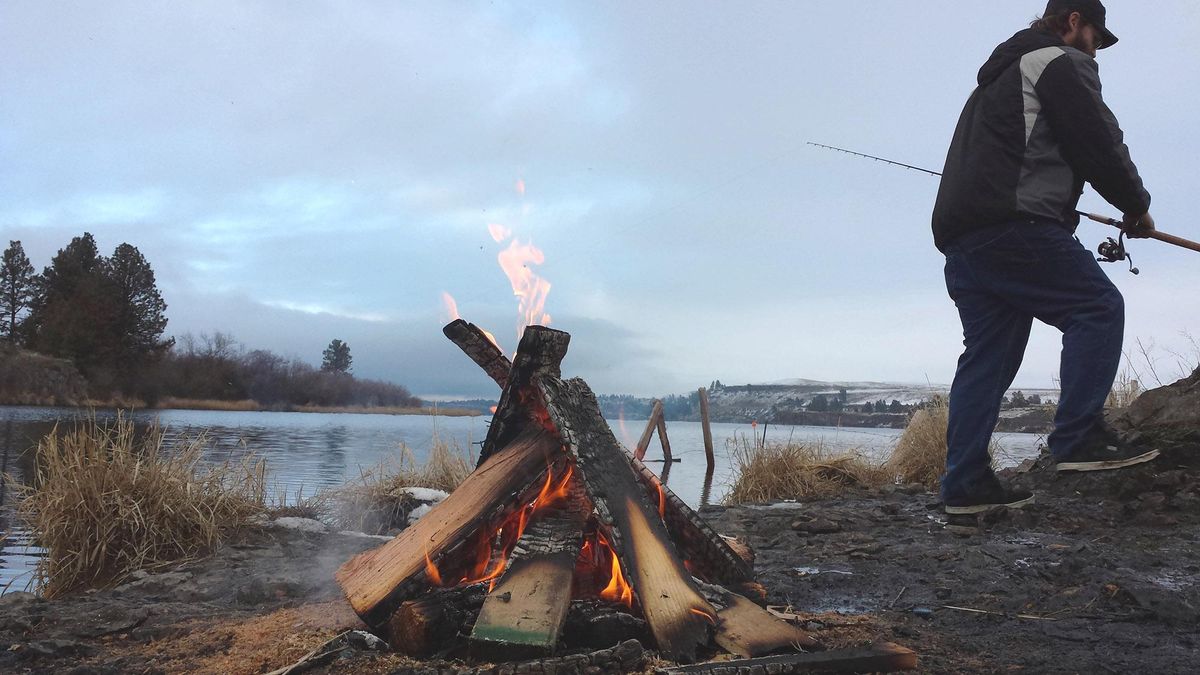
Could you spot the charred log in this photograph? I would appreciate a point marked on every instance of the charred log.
(679, 617)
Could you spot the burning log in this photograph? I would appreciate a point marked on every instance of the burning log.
(539, 353)
(707, 553)
(377, 581)
(523, 616)
(434, 622)
(478, 345)
(679, 617)
(883, 657)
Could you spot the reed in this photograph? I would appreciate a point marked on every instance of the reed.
(377, 500)
(778, 471)
(106, 502)
(920, 454)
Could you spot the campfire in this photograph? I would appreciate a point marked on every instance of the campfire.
(557, 510)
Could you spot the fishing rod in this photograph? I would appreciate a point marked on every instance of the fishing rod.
(1112, 250)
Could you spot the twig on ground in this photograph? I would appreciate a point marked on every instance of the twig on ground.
(1004, 614)
(897, 598)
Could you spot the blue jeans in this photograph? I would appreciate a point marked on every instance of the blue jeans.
(1001, 278)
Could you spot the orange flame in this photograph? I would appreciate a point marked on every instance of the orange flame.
(451, 307)
(431, 571)
(617, 590)
(490, 567)
(530, 289)
(662, 500)
(499, 232)
(707, 617)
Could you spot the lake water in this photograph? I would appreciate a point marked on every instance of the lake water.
(305, 452)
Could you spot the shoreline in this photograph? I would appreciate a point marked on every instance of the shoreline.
(250, 406)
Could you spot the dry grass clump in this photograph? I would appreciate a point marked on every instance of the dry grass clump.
(920, 454)
(377, 501)
(107, 502)
(799, 471)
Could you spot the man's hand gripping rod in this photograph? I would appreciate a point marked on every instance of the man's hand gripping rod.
(1115, 222)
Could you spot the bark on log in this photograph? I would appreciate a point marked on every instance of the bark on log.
(540, 353)
(678, 615)
(881, 657)
(434, 622)
(377, 581)
(523, 616)
(476, 344)
(748, 630)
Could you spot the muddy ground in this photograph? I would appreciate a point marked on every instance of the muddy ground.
(1101, 575)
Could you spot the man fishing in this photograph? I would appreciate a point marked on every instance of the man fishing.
(1033, 131)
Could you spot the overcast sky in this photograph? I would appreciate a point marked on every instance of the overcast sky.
(302, 171)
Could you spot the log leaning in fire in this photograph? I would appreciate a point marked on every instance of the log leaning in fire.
(679, 617)
(476, 344)
(707, 553)
(377, 581)
(882, 657)
(539, 353)
(524, 614)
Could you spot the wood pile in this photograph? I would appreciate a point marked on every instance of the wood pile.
(560, 526)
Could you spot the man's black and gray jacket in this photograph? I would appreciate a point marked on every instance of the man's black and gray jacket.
(1031, 133)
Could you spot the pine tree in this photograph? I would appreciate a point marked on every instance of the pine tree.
(72, 317)
(336, 357)
(138, 307)
(18, 290)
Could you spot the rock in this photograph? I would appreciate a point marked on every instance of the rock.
(110, 620)
(56, 648)
(18, 600)
(1164, 604)
(364, 640)
(260, 590)
(816, 526)
(153, 584)
(305, 525)
(1173, 406)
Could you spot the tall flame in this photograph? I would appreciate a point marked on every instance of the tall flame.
(530, 289)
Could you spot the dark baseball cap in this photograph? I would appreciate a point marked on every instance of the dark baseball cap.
(1091, 10)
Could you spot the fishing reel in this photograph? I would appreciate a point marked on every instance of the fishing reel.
(1113, 250)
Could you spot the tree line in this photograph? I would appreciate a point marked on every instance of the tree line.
(106, 315)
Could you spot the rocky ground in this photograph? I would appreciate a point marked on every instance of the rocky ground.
(1101, 575)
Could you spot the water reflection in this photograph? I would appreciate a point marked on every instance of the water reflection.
(305, 452)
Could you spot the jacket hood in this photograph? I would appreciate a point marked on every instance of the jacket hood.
(1014, 48)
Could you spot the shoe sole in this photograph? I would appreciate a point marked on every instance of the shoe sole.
(1104, 466)
(980, 508)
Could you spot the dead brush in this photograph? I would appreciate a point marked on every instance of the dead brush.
(377, 500)
(106, 502)
(778, 471)
(920, 454)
